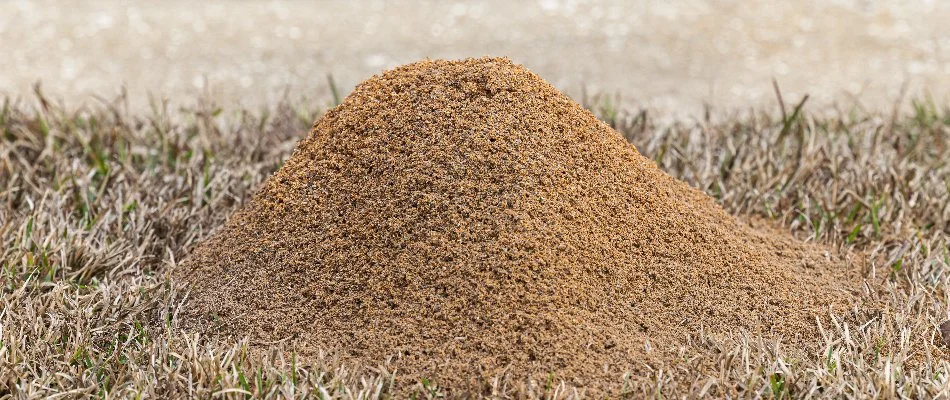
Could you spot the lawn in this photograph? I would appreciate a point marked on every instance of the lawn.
(98, 204)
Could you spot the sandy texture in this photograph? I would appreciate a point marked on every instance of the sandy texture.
(470, 220)
(676, 56)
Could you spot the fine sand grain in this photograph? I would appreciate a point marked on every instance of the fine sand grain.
(469, 220)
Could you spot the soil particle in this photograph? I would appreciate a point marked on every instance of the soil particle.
(945, 333)
(469, 220)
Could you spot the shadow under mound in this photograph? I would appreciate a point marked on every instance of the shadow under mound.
(471, 221)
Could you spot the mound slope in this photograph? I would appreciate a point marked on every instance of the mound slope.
(470, 220)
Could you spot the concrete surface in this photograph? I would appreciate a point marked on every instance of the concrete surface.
(673, 56)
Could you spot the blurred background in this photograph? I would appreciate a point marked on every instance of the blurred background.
(671, 56)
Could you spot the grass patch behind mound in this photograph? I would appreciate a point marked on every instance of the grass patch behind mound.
(97, 203)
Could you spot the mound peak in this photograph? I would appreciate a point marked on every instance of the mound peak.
(469, 220)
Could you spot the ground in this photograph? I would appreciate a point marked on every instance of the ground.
(675, 56)
(98, 204)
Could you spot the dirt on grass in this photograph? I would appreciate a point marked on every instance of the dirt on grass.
(465, 220)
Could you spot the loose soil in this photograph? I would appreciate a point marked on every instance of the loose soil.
(469, 220)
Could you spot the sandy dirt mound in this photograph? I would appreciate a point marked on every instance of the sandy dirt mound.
(470, 220)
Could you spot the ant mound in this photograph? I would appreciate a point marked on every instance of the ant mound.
(465, 220)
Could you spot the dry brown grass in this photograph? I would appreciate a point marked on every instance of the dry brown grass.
(99, 204)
